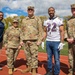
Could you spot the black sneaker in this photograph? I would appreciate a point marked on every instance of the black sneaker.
(48, 73)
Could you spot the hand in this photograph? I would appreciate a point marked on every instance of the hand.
(42, 45)
(5, 46)
(60, 47)
(38, 43)
(70, 40)
(19, 47)
(21, 43)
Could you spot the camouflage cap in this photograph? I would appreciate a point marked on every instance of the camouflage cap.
(73, 6)
(15, 20)
(30, 7)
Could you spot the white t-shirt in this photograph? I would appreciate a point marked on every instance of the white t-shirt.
(53, 33)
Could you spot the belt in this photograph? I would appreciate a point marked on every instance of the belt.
(29, 40)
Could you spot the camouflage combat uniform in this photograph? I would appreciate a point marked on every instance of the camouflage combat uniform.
(12, 40)
(32, 31)
(71, 46)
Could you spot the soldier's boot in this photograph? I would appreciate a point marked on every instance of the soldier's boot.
(14, 69)
(10, 72)
(34, 71)
(70, 73)
(26, 70)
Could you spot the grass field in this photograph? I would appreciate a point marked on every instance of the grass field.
(62, 52)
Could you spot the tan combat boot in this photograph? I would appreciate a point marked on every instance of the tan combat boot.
(26, 70)
(70, 73)
(34, 71)
(10, 72)
(14, 69)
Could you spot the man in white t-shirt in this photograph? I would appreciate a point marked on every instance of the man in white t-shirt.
(54, 30)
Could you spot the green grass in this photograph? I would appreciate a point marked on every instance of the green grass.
(64, 51)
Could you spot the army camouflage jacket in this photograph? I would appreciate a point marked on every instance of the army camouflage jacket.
(31, 28)
(71, 27)
(12, 37)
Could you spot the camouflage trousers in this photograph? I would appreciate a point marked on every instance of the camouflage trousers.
(12, 54)
(31, 51)
(71, 56)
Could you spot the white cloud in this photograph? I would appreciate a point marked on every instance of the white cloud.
(10, 15)
(63, 12)
(41, 6)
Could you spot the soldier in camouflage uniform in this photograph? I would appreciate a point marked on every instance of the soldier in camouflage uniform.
(31, 36)
(71, 40)
(12, 44)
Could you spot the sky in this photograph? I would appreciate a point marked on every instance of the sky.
(19, 7)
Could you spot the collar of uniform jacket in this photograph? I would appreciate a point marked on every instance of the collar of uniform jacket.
(52, 18)
(73, 17)
(14, 27)
(30, 18)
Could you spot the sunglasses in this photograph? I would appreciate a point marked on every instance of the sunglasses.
(15, 22)
(30, 9)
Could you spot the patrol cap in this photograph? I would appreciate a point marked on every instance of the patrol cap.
(30, 7)
(73, 6)
(15, 20)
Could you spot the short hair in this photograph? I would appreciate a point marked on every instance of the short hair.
(1, 12)
(52, 8)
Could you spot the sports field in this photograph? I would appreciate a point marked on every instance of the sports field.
(21, 64)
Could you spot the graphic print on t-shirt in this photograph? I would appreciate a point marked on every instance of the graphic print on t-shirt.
(51, 27)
